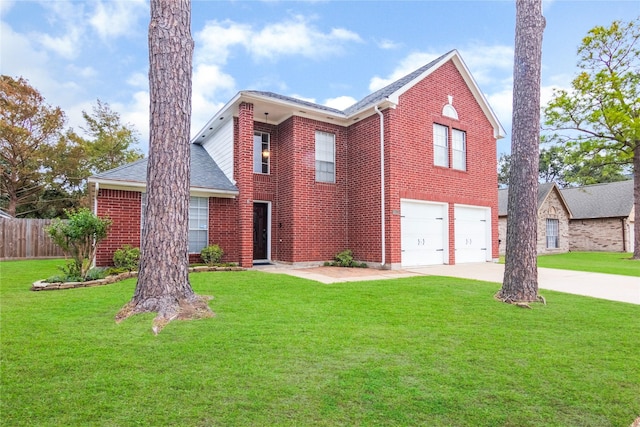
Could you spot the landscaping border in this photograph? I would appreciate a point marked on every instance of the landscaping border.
(41, 285)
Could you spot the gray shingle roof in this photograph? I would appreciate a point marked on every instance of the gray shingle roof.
(367, 101)
(503, 197)
(205, 173)
(297, 101)
(610, 200)
(386, 91)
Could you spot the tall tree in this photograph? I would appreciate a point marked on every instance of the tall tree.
(27, 126)
(110, 142)
(163, 281)
(520, 284)
(600, 115)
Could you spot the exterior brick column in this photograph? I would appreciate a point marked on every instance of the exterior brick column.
(244, 182)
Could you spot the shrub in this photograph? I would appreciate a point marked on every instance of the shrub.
(211, 255)
(127, 258)
(79, 237)
(345, 259)
(96, 273)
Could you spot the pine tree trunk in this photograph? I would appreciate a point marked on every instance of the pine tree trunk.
(521, 273)
(163, 280)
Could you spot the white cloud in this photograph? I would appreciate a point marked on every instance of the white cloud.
(65, 45)
(407, 65)
(298, 37)
(293, 36)
(139, 80)
(488, 64)
(387, 44)
(340, 102)
(82, 72)
(116, 18)
(210, 84)
(5, 5)
(217, 39)
(136, 112)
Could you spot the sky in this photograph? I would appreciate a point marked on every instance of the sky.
(332, 53)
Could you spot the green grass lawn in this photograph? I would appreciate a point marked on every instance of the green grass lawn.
(424, 351)
(595, 262)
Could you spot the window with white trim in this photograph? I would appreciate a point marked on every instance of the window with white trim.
(459, 149)
(553, 233)
(198, 221)
(261, 152)
(440, 145)
(325, 157)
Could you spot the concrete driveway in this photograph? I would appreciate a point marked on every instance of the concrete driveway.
(605, 286)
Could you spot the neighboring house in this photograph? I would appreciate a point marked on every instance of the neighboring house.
(603, 217)
(405, 177)
(4, 214)
(553, 220)
(596, 217)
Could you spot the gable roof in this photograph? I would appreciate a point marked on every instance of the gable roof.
(275, 108)
(205, 174)
(544, 189)
(611, 200)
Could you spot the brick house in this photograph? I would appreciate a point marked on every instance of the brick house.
(603, 217)
(553, 220)
(596, 217)
(405, 177)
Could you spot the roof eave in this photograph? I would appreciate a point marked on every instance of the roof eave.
(114, 184)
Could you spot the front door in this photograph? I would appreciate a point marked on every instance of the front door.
(260, 230)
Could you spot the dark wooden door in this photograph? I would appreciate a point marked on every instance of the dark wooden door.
(260, 230)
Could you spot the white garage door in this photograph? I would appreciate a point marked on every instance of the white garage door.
(423, 227)
(472, 234)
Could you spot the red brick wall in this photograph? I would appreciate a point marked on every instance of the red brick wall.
(285, 191)
(319, 209)
(244, 181)
(364, 189)
(123, 208)
(412, 173)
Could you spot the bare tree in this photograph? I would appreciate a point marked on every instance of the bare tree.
(163, 282)
(520, 284)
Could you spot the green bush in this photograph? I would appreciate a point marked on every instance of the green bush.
(96, 273)
(127, 257)
(79, 237)
(345, 259)
(211, 255)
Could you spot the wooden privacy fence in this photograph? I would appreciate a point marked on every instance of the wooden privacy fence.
(26, 238)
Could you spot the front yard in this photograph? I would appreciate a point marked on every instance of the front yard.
(595, 262)
(286, 351)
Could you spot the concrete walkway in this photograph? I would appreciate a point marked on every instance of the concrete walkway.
(605, 286)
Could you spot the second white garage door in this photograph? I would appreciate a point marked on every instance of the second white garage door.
(472, 234)
(424, 233)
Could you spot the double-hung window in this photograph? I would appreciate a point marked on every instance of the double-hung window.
(198, 222)
(459, 149)
(261, 152)
(325, 157)
(553, 234)
(440, 145)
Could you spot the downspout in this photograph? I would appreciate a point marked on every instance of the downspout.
(95, 212)
(382, 212)
(624, 235)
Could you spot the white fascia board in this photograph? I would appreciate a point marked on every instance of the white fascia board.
(215, 121)
(309, 111)
(370, 110)
(498, 130)
(112, 184)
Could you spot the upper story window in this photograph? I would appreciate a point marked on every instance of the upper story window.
(261, 152)
(440, 145)
(325, 157)
(459, 149)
